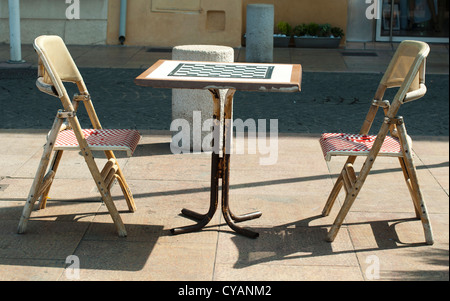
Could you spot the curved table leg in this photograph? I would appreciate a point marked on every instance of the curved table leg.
(229, 217)
(245, 217)
(214, 199)
(226, 148)
(220, 168)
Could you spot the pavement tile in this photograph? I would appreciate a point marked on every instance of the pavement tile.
(22, 145)
(144, 59)
(144, 261)
(225, 272)
(72, 165)
(420, 263)
(74, 190)
(47, 240)
(103, 56)
(389, 230)
(316, 61)
(20, 269)
(298, 246)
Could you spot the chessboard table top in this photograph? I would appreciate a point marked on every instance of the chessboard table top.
(214, 75)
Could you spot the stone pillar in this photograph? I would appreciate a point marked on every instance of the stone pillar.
(196, 106)
(259, 33)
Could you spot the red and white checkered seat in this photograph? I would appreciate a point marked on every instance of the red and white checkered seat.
(342, 144)
(102, 139)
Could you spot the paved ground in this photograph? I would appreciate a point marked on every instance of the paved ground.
(336, 92)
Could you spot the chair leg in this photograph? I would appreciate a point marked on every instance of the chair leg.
(33, 194)
(349, 199)
(54, 167)
(351, 194)
(126, 191)
(419, 202)
(415, 189)
(410, 188)
(123, 184)
(104, 191)
(333, 195)
(336, 188)
(415, 193)
(38, 179)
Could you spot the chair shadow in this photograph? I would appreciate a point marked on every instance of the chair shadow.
(301, 241)
(50, 239)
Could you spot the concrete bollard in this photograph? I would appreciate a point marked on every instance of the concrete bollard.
(186, 103)
(259, 33)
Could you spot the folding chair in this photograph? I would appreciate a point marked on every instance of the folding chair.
(406, 71)
(56, 66)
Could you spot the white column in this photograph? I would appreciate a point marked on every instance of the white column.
(259, 33)
(14, 32)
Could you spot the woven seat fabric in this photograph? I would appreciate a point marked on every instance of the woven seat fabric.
(342, 144)
(101, 139)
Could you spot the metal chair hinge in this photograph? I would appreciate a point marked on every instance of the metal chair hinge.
(83, 97)
(65, 114)
(381, 103)
(396, 120)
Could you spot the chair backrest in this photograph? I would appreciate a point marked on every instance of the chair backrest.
(55, 66)
(407, 71)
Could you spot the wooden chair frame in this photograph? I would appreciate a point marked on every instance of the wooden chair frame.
(411, 58)
(55, 66)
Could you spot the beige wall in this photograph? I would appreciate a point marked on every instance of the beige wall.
(167, 23)
(49, 17)
(296, 12)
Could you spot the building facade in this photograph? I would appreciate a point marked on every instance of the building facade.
(397, 20)
(166, 23)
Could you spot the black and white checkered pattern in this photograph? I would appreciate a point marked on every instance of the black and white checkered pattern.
(222, 71)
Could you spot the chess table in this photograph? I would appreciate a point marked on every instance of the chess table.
(216, 77)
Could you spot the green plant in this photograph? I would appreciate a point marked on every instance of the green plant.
(284, 28)
(337, 32)
(300, 30)
(324, 30)
(312, 29)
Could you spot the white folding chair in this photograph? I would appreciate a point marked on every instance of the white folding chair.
(406, 71)
(55, 67)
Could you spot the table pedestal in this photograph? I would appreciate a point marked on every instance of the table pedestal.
(220, 169)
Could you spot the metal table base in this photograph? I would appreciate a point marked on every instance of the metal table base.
(220, 169)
